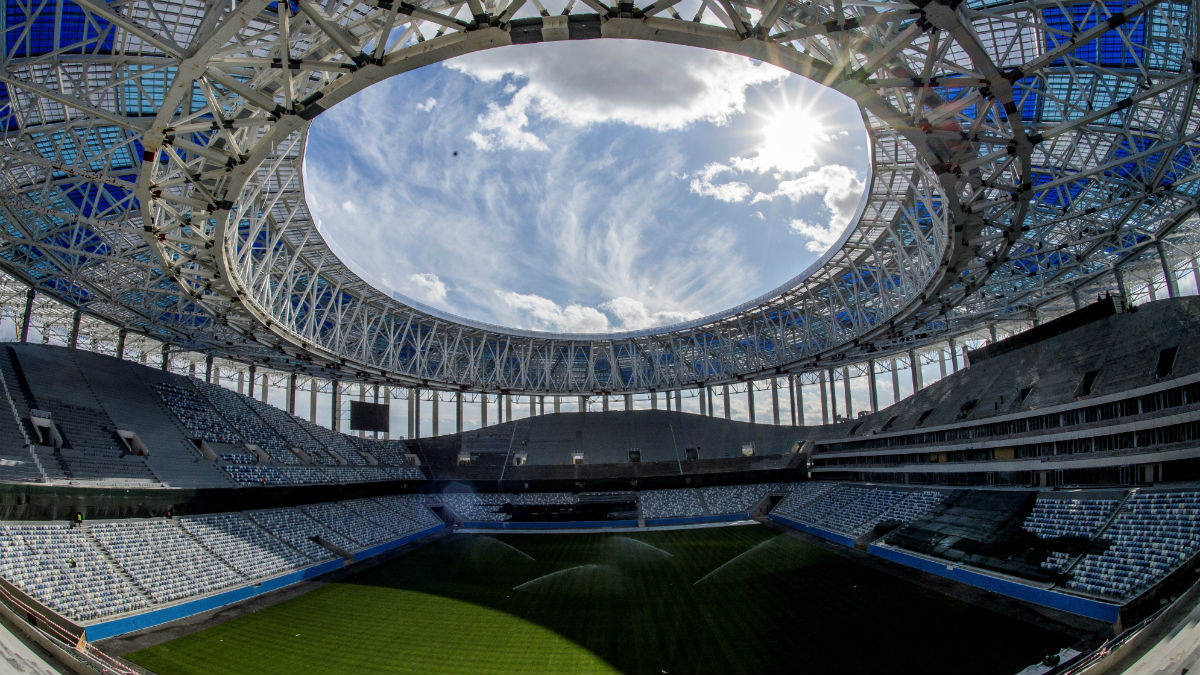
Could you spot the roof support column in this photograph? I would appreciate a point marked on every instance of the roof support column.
(872, 386)
(387, 399)
(291, 394)
(1196, 275)
(362, 398)
(335, 407)
(483, 404)
(1168, 273)
(604, 399)
(208, 368)
(1121, 290)
(242, 382)
(710, 400)
(412, 412)
(953, 355)
(824, 399)
(312, 399)
(500, 409)
(942, 361)
(557, 404)
(895, 381)
(914, 366)
(702, 393)
(678, 400)
(166, 356)
(794, 400)
(436, 404)
(458, 412)
(266, 387)
(582, 404)
(750, 399)
(654, 400)
(30, 294)
(121, 335)
(508, 407)
(992, 333)
(775, 400)
(846, 391)
(73, 338)
(726, 395)
(541, 404)
(416, 413)
(628, 401)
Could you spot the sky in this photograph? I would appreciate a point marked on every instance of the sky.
(586, 187)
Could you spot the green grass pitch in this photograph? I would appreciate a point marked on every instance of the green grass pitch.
(720, 600)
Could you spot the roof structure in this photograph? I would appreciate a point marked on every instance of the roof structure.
(1022, 153)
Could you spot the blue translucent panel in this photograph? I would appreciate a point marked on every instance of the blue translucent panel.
(66, 147)
(145, 87)
(1182, 165)
(1028, 97)
(99, 200)
(1083, 92)
(953, 94)
(1142, 170)
(70, 289)
(29, 30)
(1110, 49)
(1169, 27)
(1060, 196)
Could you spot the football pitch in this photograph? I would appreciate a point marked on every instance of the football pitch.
(741, 599)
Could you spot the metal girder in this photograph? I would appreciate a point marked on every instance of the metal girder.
(1021, 152)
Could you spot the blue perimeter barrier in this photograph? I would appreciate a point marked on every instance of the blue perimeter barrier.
(1092, 609)
(154, 617)
(816, 531)
(581, 524)
(601, 524)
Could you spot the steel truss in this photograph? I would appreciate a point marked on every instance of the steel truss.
(1022, 152)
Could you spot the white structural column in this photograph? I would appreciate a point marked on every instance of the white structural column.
(508, 401)
(1168, 273)
(291, 394)
(265, 386)
(872, 388)
(846, 391)
(914, 367)
(654, 400)
(604, 403)
(312, 400)
(678, 400)
(775, 400)
(412, 412)
(629, 401)
(557, 403)
(798, 418)
(702, 394)
(825, 399)
(953, 354)
(387, 398)
(362, 398)
(582, 404)
(483, 405)
(437, 399)
(750, 399)
(73, 336)
(942, 361)
(895, 381)
(27, 316)
(725, 393)
(792, 391)
(335, 410)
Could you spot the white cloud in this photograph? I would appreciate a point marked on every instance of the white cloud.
(841, 189)
(349, 207)
(427, 105)
(545, 314)
(503, 127)
(643, 84)
(426, 287)
(703, 184)
(632, 314)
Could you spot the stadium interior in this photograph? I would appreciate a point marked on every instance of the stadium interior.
(982, 406)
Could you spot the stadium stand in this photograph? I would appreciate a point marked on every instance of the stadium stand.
(681, 503)
(108, 568)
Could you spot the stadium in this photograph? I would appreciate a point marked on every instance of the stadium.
(965, 438)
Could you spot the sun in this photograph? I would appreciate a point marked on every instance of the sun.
(792, 138)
